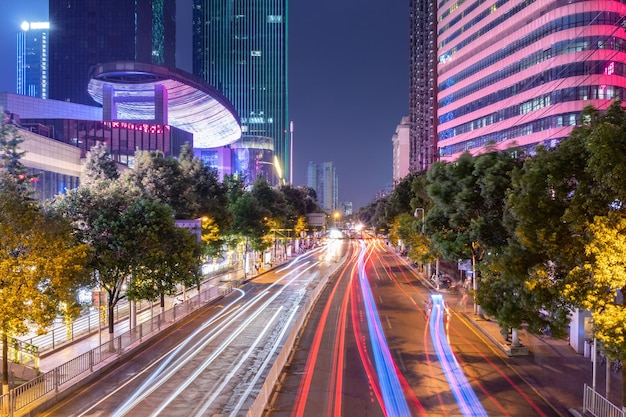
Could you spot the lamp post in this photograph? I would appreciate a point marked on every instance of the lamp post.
(336, 216)
(415, 214)
(420, 209)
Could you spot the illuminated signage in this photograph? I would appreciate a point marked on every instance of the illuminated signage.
(144, 127)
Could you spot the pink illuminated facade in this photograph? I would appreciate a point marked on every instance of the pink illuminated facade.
(518, 73)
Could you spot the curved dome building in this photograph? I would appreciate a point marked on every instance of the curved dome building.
(132, 91)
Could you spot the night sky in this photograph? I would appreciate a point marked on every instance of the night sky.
(348, 84)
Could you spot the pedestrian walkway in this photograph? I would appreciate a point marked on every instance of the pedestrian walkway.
(56, 357)
(551, 366)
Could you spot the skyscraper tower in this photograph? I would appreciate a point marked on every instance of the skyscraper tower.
(323, 179)
(240, 48)
(519, 74)
(422, 84)
(88, 32)
(32, 59)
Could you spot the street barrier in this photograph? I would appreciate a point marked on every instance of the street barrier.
(23, 399)
(596, 405)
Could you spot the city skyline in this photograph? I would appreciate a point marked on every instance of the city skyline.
(347, 93)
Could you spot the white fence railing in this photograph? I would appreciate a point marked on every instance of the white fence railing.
(596, 405)
(26, 397)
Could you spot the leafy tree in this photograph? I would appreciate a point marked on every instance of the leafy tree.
(374, 214)
(408, 230)
(299, 201)
(271, 200)
(160, 177)
(10, 160)
(204, 193)
(554, 198)
(100, 165)
(250, 221)
(97, 213)
(605, 274)
(190, 188)
(40, 264)
(469, 197)
(399, 200)
(169, 254)
(466, 221)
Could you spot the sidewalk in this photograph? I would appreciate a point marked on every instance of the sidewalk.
(68, 351)
(550, 366)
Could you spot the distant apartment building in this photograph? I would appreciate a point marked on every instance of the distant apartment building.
(32, 59)
(323, 179)
(423, 84)
(401, 146)
(518, 74)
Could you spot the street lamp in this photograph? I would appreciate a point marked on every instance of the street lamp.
(336, 216)
(415, 214)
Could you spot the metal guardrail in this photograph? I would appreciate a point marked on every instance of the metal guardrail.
(598, 406)
(27, 350)
(26, 397)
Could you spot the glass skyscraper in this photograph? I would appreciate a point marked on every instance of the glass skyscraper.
(323, 179)
(240, 48)
(519, 73)
(32, 59)
(88, 32)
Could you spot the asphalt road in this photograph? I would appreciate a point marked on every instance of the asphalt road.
(338, 368)
(215, 362)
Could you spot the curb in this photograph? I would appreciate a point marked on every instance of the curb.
(508, 349)
(575, 412)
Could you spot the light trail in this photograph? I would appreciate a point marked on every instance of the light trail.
(336, 380)
(394, 401)
(200, 369)
(266, 363)
(463, 393)
(169, 368)
(233, 371)
(172, 354)
(502, 409)
(305, 384)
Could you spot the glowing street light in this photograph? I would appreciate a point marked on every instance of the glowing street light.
(279, 171)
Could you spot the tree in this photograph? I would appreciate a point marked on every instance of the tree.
(169, 255)
(10, 160)
(96, 211)
(204, 193)
(40, 263)
(160, 177)
(468, 196)
(100, 166)
(466, 221)
(399, 200)
(374, 214)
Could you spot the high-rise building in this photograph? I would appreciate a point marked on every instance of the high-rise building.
(32, 59)
(518, 74)
(88, 32)
(323, 179)
(240, 48)
(401, 149)
(422, 84)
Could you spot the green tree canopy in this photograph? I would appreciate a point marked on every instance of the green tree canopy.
(41, 265)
